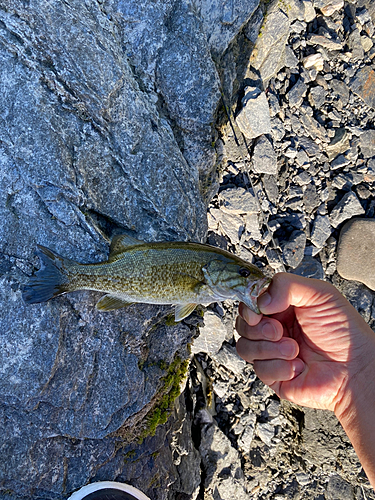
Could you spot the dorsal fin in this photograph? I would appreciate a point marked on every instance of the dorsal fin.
(120, 243)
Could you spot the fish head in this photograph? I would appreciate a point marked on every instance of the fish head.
(236, 280)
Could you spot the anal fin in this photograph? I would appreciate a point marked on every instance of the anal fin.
(183, 310)
(110, 303)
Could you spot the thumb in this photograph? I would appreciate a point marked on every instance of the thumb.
(292, 290)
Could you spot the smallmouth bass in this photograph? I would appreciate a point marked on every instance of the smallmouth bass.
(178, 273)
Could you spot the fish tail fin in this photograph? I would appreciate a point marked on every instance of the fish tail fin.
(51, 280)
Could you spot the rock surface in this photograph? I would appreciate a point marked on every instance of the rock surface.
(355, 251)
(254, 117)
(95, 107)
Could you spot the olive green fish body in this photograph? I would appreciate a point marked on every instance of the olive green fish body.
(180, 273)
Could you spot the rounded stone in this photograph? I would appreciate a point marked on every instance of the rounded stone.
(355, 252)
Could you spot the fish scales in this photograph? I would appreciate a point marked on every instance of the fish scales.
(180, 273)
(156, 274)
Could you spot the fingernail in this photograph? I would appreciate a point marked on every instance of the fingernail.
(298, 366)
(286, 348)
(269, 331)
(264, 300)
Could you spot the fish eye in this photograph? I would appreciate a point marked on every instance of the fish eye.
(244, 272)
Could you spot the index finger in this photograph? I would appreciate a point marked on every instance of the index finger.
(292, 290)
(248, 315)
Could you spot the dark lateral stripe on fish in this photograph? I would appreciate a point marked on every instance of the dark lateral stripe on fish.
(49, 281)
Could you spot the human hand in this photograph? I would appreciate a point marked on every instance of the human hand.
(309, 344)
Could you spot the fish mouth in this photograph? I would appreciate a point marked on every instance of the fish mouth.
(253, 292)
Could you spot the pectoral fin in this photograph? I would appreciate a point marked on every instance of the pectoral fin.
(183, 310)
(109, 303)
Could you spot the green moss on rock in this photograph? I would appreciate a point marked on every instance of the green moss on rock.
(170, 390)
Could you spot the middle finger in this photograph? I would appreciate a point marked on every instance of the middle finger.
(267, 328)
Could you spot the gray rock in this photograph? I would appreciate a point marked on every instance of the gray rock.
(321, 230)
(231, 225)
(311, 126)
(222, 465)
(295, 220)
(222, 21)
(297, 93)
(323, 41)
(184, 33)
(339, 162)
(309, 11)
(244, 441)
(302, 158)
(347, 181)
(339, 489)
(310, 198)
(270, 187)
(303, 178)
(266, 432)
(310, 268)
(228, 357)
(273, 408)
(348, 207)
(269, 55)
(328, 7)
(238, 201)
(339, 143)
(291, 60)
(254, 118)
(302, 478)
(211, 335)
(273, 103)
(362, 84)
(367, 143)
(184, 455)
(252, 29)
(277, 129)
(317, 96)
(311, 251)
(253, 227)
(264, 156)
(303, 10)
(363, 16)
(359, 296)
(355, 45)
(355, 251)
(294, 248)
(309, 146)
(296, 9)
(341, 92)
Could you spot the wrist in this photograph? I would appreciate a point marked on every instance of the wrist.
(355, 408)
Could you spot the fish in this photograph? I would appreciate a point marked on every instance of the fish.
(183, 274)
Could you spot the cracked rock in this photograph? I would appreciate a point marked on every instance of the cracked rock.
(348, 207)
